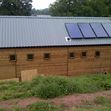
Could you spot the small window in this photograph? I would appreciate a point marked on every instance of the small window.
(46, 56)
(12, 57)
(71, 55)
(97, 54)
(30, 56)
(84, 54)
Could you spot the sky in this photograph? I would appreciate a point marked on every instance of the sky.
(41, 4)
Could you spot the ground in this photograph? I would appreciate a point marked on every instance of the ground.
(67, 101)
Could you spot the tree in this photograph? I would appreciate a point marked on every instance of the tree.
(63, 8)
(15, 7)
(40, 12)
(80, 8)
(34, 12)
(108, 3)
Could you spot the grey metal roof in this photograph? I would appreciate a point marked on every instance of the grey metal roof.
(47, 31)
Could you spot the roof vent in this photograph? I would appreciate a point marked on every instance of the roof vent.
(68, 39)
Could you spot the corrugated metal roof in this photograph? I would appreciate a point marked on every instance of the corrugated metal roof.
(32, 31)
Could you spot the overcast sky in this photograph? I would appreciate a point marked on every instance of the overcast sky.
(41, 4)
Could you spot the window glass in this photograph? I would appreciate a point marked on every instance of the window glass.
(46, 56)
(97, 53)
(12, 57)
(84, 54)
(71, 55)
(30, 56)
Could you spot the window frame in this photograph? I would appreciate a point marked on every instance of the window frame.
(47, 56)
(28, 57)
(97, 53)
(82, 54)
(70, 55)
(11, 56)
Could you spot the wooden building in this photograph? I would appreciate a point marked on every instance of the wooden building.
(46, 45)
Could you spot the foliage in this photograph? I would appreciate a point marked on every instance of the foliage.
(40, 12)
(54, 86)
(81, 8)
(15, 7)
(50, 87)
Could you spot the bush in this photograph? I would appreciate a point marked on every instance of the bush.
(47, 91)
(50, 87)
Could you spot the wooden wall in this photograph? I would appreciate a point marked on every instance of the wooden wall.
(58, 64)
(7, 68)
(90, 63)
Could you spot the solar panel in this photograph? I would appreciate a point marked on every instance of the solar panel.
(73, 31)
(107, 27)
(99, 30)
(87, 30)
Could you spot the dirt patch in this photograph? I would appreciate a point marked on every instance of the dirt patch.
(78, 99)
(8, 104)
(25, 102)
(68, 101)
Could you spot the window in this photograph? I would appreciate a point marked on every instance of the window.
(97, 54)
(71, 55)
(12, 57)
(30, 56)
(46, 56)
(84, 54)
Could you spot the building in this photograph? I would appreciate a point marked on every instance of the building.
(46, 44)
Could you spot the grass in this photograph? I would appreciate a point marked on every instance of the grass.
(92, 108)
(40, 106)
(99, 104)
(54, 86)
(2, 110)
(102, 100)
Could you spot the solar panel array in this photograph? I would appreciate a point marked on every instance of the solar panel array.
(88, 30)
(74, 31)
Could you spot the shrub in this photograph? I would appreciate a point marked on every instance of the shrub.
(50, 87)
(47, 91)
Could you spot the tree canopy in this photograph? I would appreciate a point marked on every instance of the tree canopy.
(81, 8)
(40, 12)
(15, 7)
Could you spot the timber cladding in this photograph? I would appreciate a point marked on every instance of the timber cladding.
(58, 63)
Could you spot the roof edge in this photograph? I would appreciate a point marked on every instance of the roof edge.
(55, 17)
(60, 46)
